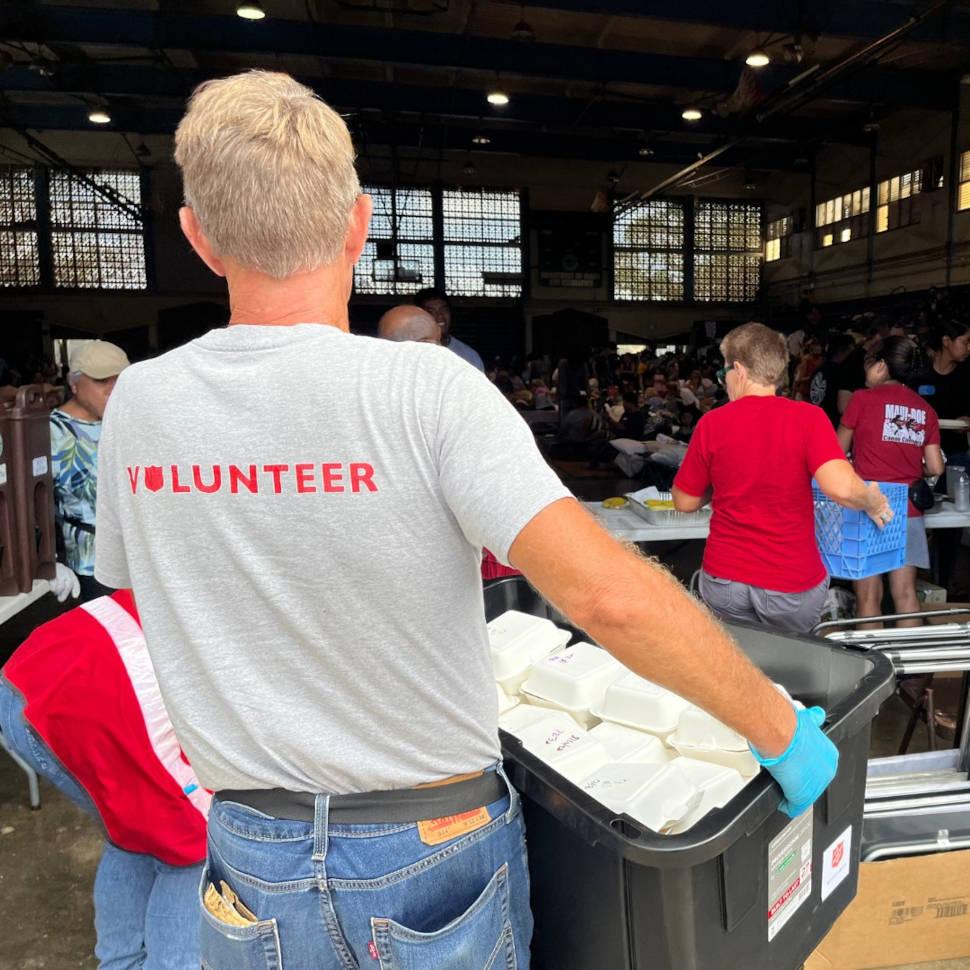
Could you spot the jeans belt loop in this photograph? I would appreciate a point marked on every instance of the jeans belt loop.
(513, 794)
(321, 824)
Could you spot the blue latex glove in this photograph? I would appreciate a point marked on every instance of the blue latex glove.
(808, 765)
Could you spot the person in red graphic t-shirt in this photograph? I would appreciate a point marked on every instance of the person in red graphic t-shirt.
(894, 436)
(756, 457)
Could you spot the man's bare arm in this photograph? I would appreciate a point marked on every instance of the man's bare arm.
(646, 619)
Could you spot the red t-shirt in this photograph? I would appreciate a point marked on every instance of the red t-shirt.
(891, 425)
(759, 454)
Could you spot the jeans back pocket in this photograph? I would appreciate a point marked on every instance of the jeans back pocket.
(228, 947)
(480, 939)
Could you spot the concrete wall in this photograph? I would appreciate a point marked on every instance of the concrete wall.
(900, 260)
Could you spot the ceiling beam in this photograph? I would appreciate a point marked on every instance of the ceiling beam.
(52, 24)
(127, 82)
(206, 32)
(428, 137)
(862, 19)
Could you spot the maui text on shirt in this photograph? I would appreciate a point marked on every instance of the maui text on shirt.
(904, 425)
(300, 478)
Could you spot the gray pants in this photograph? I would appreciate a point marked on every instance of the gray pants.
(794, 612)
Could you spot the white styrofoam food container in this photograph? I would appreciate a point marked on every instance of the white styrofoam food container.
(717, 785)
(573, 680)
(616, 784)
(521, 717)
(626, 744)
(641, 704)
(657, 796)
(517, 641)
(667, 801)
(505, 703)
(700, 735)
(562, 744)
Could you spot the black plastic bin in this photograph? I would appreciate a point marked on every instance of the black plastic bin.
(609, 895)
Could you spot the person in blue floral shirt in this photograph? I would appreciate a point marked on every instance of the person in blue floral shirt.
(75, 433)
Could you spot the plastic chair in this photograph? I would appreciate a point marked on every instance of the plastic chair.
(33, 787)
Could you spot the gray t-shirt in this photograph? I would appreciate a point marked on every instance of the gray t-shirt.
(301, 513)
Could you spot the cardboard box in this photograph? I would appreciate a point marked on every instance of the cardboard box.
(929, 593)
(911, 910)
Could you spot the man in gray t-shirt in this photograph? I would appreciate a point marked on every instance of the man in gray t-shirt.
(269, 491)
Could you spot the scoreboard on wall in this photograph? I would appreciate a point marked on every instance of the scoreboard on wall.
(570, 248)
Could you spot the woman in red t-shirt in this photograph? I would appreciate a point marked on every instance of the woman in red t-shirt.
(757, 456)
(894, 436)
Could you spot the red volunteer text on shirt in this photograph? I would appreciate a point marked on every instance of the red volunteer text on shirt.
(299, 478)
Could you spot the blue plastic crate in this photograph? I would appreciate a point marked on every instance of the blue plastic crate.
(851, 544)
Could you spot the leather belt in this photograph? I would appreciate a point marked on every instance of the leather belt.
(376, 807)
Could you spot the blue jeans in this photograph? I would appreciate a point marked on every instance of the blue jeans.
(145, 911)
(341, 897)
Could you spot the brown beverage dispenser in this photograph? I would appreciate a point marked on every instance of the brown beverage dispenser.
(9, 585)
(33, 487)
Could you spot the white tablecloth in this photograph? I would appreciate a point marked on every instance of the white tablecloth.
(628, 526)
(10, 606)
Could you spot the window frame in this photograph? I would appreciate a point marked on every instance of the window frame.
(690, 251)
(781, 238)
(848, 212)
(750, 253)
(895, 195)
(20, 227)
(683, 250)
(401, 288)
(54, 229)
(963, 181)
(46, 228)
(485, 244)
(440, 241)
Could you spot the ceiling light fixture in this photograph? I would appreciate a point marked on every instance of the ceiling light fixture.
(250, 10)
(99, 117)
(523, 32)
(646, 152)
(692, 114)
(758, 58)
(481, 140)
(497, 97)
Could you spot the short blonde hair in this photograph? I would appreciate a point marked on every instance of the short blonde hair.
(763, 351)
(268, 169)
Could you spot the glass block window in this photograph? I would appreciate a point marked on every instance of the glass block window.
(727, 251)
(19, 256)
(843, 218)
(97, 239)
(778, 239)
(483, 242)
(648, 251)
(398, 257)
